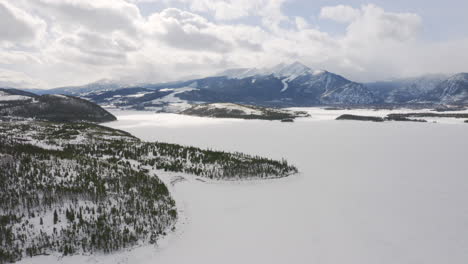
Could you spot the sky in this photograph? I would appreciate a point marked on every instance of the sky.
(52, 43)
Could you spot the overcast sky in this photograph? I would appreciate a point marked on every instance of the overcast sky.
(49, 43)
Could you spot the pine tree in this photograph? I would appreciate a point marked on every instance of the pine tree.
(55, 217)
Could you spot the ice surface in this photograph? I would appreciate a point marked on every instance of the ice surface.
(368, 193)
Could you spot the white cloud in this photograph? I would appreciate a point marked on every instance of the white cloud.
(102, 16)
(376, 44)
(95, 48)
(225, 10)
(301, 23)
(375, 22)
(18, 26)
(87, 40)
(340, 13)
(184, 30)
(18, 57)
(16, 79)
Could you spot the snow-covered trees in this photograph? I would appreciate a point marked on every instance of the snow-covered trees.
(72, 188)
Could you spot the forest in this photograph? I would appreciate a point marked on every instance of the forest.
(72, 188)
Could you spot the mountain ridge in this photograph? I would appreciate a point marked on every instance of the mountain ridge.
(283, 85)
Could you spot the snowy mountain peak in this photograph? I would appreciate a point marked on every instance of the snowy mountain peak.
(459, 77)
(104, 81)
(240, 73)
(112, 82)
(318, 72)
(286, 70)
(292, 70)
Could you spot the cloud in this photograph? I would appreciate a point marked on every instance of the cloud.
(340, 13)
(18, 57)
(227, 10)
(184, 30)
(374, 22)
(376, 43)
(79, 41)
(223, 10)
(18, 26)
(371, 21)
(94, 48)
(102, 16)
(16, 79)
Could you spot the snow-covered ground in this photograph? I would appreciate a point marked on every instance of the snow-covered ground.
(393, 192)
(318, 114)
(229, 107)
(11, 97)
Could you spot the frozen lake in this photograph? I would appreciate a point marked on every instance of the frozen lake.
(367, 193)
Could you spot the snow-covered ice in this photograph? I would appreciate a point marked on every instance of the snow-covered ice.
(392, 192)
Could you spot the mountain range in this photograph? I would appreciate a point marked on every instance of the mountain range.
(283, 85)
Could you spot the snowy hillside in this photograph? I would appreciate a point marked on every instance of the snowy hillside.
(14, 96)
(162, 100)
(7, 97)
(51, 107)
(454, 90)
(281, 70)
(230, 110)
(409, 90)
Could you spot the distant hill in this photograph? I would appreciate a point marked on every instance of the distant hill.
(61, 108)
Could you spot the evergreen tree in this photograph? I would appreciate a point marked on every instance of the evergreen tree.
(55, 217)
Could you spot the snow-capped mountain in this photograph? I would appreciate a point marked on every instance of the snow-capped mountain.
(428, 89)
(283, 85)
(406, 90)
(302, 85)
(454, 90)
(281, 70)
